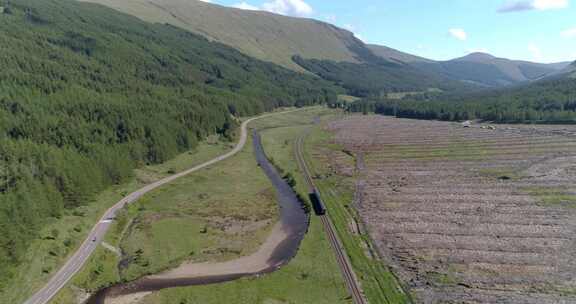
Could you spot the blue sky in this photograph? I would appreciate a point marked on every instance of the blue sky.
(535, 30)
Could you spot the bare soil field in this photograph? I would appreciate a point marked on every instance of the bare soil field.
(466, 215)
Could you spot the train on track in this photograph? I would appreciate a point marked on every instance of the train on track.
(317, 204)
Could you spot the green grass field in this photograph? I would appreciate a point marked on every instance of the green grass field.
(225, 211)
(313, 276)
(219, 213)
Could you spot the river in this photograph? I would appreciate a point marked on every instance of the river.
(294, 223)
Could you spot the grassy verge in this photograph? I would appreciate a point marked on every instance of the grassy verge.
(312, 276)
(225, 212)
(62, 237)
(378, 283)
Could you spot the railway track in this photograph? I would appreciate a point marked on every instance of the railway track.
(341, 256)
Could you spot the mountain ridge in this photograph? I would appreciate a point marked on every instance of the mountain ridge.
(491, 71)
(279, 39)
(262, 35)
(481, 68)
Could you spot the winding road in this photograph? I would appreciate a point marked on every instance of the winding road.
(94, 238)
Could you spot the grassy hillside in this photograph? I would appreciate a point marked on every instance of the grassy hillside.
(279, 39)
(87, 94)
(320, 48)
(567, 72)
(395, 55)
(258, 34)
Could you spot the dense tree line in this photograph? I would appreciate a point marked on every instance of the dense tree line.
(88, 94)
(375, 77)
(550, 101)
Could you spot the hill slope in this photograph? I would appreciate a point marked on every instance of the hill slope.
(395, 55)
(279, 39)
(548, 100)
(297, 43)
(262, 35)
(87, 94)
(568, 72)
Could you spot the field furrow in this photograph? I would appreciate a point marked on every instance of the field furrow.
(467, 215)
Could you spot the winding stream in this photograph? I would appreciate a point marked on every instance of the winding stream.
(293, 223)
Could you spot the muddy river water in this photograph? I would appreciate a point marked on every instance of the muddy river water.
(294, 224)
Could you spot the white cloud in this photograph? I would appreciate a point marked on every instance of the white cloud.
(550, 4)
(478, 50)
(569, 33)
(246, 6)
(297, 8)
(535, 51)
(458, 33)
(288, 7)
(528, 5)
(209, 1)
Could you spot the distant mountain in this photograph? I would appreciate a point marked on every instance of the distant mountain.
(296, 43)
(259, 34)
(329, 51)
(487, 70)
(478, 68)
(561, 65)
(567, 72)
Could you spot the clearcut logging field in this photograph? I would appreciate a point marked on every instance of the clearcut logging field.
(465, 215)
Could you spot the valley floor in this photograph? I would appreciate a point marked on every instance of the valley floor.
(222, 213)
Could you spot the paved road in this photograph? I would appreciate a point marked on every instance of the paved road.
(79, 258)
(341, 257)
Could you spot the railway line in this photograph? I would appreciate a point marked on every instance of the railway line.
(341, 256)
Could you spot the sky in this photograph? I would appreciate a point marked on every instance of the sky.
(534, 30)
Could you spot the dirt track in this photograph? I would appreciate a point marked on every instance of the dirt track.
(468, 215)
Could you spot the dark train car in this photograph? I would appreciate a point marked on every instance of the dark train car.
(317, 203)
